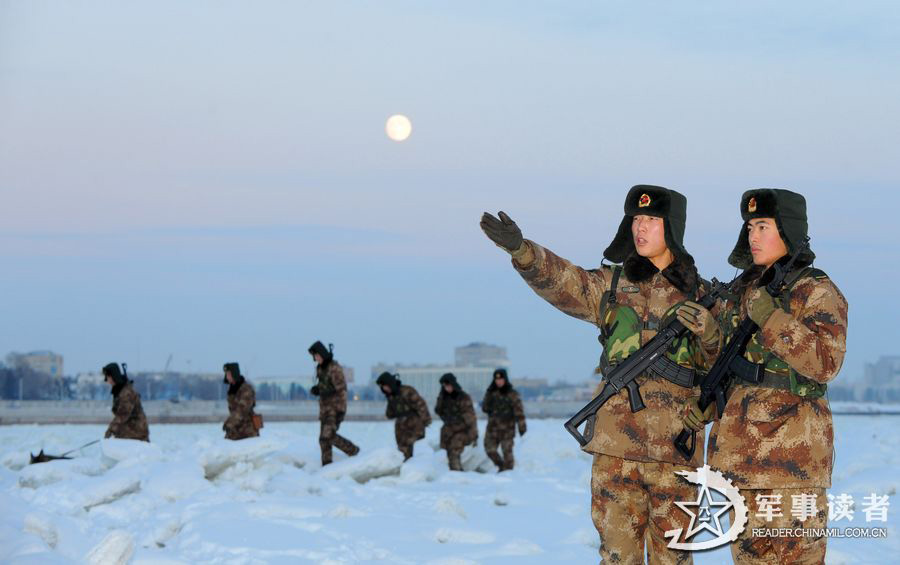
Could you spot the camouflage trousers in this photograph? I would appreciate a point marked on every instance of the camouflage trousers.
(329, 423)
(407, 431)
(633, 504)
(454, 444)
(500, 434)
(750, 549)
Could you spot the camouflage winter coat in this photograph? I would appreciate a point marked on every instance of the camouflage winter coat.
(129, 421)
(332, 390)
(458, 414)
(241, 402)
(646, 435)
(504, 409)
(774, 438)
(410, 413)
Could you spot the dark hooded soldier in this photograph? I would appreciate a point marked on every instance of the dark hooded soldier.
(331, 388)
(504, 410)
(775, 440)
(241, 401)
(129, 421)
(633, 480)
(408, 410)
(460, 427)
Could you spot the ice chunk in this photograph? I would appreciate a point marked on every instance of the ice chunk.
(448, 505)
(520, 547)
(362, 468)
(15, 460)
(475, 459)
(44, 527)
(223, 455)
(175, 480)
(450, 535)
(116, 450)
(115, 549)
(109, 490)
(344, 511)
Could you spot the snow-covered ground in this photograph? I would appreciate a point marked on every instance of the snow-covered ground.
(192, 497)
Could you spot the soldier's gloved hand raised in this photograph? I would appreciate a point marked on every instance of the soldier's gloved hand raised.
(694, 418)
(314, 390)
(502, 231)
(760, 306)
(700, 321)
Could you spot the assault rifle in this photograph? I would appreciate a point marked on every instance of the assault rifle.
(624, 375)
(715, 383)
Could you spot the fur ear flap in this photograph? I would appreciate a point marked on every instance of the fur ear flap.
(682, 273)
(638, 269)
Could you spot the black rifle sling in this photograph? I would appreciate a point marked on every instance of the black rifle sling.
(608, 299)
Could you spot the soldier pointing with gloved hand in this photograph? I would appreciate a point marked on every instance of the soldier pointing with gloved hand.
(633, 476)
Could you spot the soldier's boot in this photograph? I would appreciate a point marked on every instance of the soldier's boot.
(453, 458)
(406, 450)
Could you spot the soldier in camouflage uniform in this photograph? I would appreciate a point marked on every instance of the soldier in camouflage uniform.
(454, 406)
(241, 401)
(129, 421)
(775, 440)
(633, 486)
(408, 410)
(331, 388)
(504, 409)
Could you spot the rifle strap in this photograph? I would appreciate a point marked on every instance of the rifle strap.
(608, 299)
(792, 279)
(757, 374)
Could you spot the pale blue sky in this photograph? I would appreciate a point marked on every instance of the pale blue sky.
(212, 179)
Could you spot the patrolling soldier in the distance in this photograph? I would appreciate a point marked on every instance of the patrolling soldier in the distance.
(408, 410)
(504, 409)
(241, 401)
(775, 440)
(331, 388)
(454, 406)
(129, 421)
(633, 482)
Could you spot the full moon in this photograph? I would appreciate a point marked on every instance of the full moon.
(398, 127)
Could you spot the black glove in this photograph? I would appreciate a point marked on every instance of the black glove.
(504, 232)
(314, 390)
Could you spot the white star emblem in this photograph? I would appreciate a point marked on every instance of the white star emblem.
(704, 516)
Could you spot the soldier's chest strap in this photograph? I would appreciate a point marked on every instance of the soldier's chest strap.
(758, 374)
